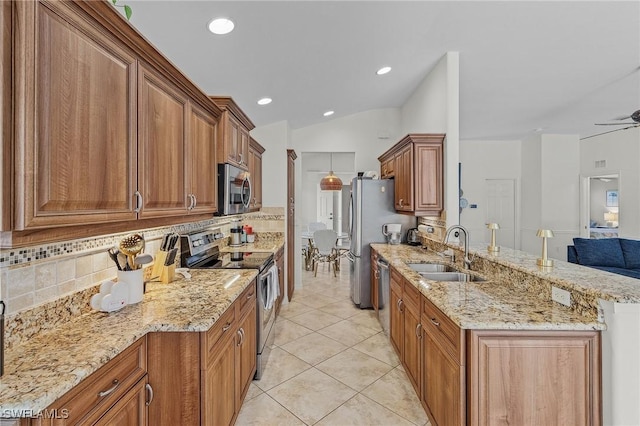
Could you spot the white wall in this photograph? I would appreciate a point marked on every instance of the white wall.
(275, 139)
(550, 192)
(434, 108)
(360, 133)
(621, 151)
(482, 160)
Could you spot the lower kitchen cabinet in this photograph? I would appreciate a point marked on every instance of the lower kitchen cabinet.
(534, 377)
(405, 325)
(443, 374)
(202, 378)
(115, 394)
(490, 377)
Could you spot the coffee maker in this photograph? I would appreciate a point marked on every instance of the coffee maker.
(236, 233)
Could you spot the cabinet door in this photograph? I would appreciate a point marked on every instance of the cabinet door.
(218, 381)
(243, 147)
(232, 140)
(540, 378)
(443, 394)
(161, 162)
(75, 106)
(412, 344)
(428, 175)
(257, 180)
(201, 152)
(404, 174)
(130, 410)
(396, 320)
(247, 350)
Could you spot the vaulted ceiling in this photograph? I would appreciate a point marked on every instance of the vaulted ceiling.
(559, 66)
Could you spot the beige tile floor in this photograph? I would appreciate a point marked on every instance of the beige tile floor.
(330, 365)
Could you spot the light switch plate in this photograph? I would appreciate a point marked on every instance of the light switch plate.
(561, 296)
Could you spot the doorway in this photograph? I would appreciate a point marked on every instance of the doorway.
(600, 207)
(501, 209)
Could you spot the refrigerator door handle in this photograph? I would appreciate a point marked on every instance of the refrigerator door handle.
(350, 257)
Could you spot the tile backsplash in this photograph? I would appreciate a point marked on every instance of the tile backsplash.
(31, 276)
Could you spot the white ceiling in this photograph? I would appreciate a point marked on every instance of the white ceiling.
(556, 65)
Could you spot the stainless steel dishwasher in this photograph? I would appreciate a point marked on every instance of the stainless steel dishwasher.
(384, 295)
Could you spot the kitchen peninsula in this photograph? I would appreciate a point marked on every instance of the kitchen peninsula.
(464, 343)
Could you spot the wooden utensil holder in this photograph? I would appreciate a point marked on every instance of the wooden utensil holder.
(165, 273)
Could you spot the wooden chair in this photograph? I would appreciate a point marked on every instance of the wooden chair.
(324, 241)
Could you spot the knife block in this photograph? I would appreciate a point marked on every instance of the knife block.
(166, 273)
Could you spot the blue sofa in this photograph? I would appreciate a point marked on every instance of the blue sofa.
(617, 255)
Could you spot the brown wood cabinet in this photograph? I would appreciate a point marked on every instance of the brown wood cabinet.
(117, 393)
(233, 133)
(103, 130)
(534, 377)
(443, 374)
(406, 333)
(255, 170)
(75, 120)
(417, 168)
(161, 142)
(202, 378)
(201, 160)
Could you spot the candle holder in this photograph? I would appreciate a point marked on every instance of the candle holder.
(492, 247)
(544, 261)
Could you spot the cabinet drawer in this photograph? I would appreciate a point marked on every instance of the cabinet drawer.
(93, 396)
(443, 331)
(411, 296)
(222, 327)
(247, 296)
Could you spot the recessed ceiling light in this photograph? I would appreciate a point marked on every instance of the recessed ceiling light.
(264, 101)
(221, 26)
(383, 70)
(328, 113)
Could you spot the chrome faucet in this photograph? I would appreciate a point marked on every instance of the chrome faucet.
(467, 261)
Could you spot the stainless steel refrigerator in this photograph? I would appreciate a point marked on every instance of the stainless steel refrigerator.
(371, 206)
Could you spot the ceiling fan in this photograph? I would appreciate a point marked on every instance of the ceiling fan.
(635, 122)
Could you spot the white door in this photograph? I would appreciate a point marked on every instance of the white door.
(325, 207)
(501, 209)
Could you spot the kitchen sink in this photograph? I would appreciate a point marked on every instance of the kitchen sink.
(451, 276)
(430, 267)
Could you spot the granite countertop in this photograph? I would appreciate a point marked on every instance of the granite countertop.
(490, 304)
(260, 246)
(42, 369)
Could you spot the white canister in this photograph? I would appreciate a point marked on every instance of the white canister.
(135, 283)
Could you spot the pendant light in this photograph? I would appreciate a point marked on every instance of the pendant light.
(331, 182)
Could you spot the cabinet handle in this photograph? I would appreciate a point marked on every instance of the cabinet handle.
(418, 329)
(190, 207)
(400, 303)
(139, 201)
(250, 295)
(226, 327)
(195, 200)
(150, 392)
(102, 394)
(434, 322)
(241, 159)
(400, 202)
(241, 335)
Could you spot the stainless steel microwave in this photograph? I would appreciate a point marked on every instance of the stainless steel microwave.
(234, 190)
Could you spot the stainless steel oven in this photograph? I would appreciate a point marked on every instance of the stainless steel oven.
(234, 189)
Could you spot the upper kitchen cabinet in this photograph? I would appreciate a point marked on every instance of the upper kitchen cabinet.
(74, 120)
(161, 166)
(255, 170)
(99, 129)
(202, 157)
(233, 133)
(416, 164)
